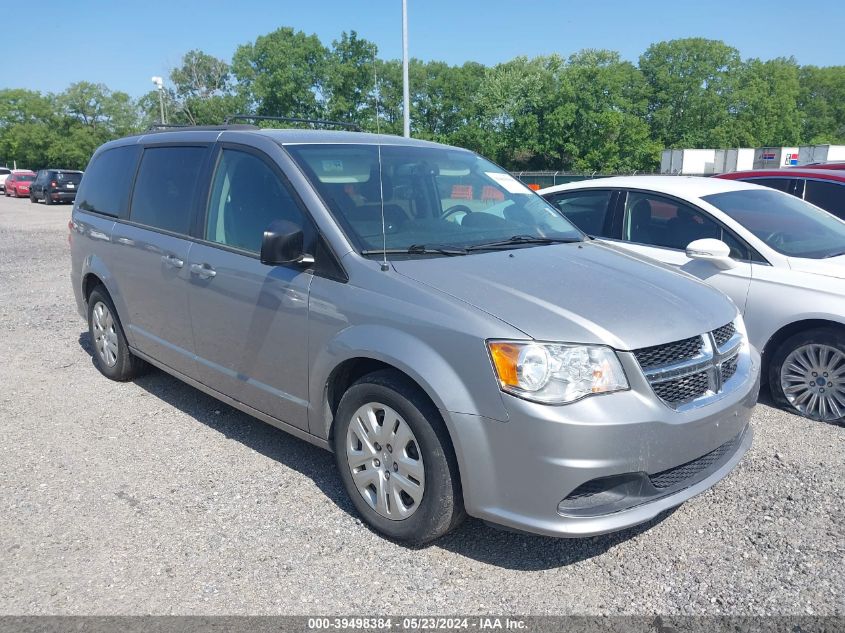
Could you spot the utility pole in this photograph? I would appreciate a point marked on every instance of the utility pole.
(159, 83)
(406, 94)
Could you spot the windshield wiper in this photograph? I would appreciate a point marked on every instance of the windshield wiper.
(418, 249)
(523, 239)
(837, 254)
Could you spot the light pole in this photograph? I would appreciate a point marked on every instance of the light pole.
(406, 95)
(159, 83)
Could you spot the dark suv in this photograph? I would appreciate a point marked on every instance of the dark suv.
(55, 185)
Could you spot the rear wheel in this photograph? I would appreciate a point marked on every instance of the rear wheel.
(807, 374)
(47, 199)
(32, 197)
(396, 460)
(111, 351)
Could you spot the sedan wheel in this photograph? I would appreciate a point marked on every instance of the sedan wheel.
(812, 378)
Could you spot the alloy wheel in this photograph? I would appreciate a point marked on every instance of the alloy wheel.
(385, 460)
(813, 380)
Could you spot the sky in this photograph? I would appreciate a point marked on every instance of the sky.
(123, 43)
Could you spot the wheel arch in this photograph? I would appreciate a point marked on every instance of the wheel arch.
(790, 329)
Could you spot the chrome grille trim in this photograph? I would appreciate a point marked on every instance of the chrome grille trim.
(691, 381)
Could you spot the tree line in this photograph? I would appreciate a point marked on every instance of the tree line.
(591, 111)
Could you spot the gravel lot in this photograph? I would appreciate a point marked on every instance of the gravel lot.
(151, 497)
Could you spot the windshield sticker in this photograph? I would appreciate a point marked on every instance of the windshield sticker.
(510, 184)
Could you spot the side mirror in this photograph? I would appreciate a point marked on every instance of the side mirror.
(283, 243)
(710, 250)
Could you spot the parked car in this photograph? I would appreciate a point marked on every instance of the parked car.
(779, 258)
(829, 165)
(824, 188)
(55, 185)
(460, 350)
(4, 173)
(18, 182)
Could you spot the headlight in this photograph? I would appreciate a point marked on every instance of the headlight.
(555, 373)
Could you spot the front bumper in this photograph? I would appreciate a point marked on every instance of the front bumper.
(517, 473)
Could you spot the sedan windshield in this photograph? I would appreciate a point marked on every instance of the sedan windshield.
(25, 177)
(783, 222)
(435, 201)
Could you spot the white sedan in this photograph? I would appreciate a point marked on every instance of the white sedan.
(780, 259)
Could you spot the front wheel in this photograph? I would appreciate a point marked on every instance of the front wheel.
(396, 460)
(807, 374)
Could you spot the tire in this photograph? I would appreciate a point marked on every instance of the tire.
(32, 197)
(114, 360)
(429, 455)
(806, 374)
(47, 199)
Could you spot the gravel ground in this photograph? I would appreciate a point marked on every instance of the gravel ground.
(151, 497)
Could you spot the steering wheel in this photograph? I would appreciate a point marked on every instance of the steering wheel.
(458, 208)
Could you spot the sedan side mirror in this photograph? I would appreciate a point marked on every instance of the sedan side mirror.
(710, 250)
(283, 243)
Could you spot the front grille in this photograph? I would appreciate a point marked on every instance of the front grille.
(683, 389)
(659, 355)
(724, 334)
(678, 474)
(692, 368)
(729, 368)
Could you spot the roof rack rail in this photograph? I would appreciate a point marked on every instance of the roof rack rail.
(236, 117)
(166, 126)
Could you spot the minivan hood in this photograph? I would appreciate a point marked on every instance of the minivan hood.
(580, 293)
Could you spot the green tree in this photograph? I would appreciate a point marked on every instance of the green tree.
(821, 103)
(606, 129)
(765, 104)
(349, 80)
(282, 74)
(202, 92)
(691, 82)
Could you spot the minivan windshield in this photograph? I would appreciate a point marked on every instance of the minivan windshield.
(436, 200)
(783, 222)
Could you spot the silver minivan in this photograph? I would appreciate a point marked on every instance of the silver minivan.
(458, 344)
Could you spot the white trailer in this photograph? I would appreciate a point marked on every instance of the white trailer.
(690, 162)
(734, 159)
(821, 154)
(774, 157)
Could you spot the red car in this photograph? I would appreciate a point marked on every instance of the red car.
(824, 188)
(17, 184)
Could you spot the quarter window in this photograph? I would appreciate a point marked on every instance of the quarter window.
(588, 210)
(246, 197)
(105, 187)
(166, 187)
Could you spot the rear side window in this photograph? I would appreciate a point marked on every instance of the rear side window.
(166, 186)
(105, 188)
(830, 196)
(588, 210)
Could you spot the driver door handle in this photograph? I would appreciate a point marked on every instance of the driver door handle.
(203, 271)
